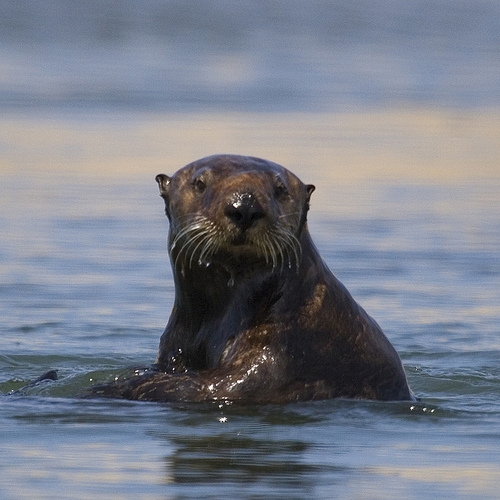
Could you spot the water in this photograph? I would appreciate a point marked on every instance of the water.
(248, 55)
(390, 110)
(86, 289)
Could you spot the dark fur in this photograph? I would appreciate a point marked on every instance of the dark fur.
(255, 321)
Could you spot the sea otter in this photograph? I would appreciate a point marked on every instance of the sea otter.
(258, 317)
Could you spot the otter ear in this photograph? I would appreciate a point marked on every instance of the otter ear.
(163, 182)
(310, 189)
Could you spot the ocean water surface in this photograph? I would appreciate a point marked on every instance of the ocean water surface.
(86, 289)
(391, 110)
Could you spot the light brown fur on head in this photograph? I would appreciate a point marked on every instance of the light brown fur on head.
(235, 205)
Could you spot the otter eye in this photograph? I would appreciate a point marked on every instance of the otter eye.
(199, 185)
(280, 190)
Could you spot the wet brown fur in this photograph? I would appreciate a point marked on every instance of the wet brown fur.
(258, 316)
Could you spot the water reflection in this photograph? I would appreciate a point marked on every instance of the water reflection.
(238, 459)
(272, 448)
(254, 448)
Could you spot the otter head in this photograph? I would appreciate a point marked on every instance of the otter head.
(229, 209)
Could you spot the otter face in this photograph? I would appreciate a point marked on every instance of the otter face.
(230, 207)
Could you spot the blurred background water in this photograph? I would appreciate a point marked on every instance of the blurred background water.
(264, 55)
(390, 108)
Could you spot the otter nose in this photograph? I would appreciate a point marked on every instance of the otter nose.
(244, 210)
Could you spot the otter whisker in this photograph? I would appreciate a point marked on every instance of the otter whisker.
(262, 250)
(196, 242)
(200, 237)
(289, 214)
(194, 226)
(197, 222)
(203, 241)
(289, 250)
(213, 243)
(282, 255)
(180, 222)
(208, 249)
(291, 246)
(191, 234)
(296, 247)
(184, 250)
(272, 251)
(200, 241)
(190, 215)
(278, 243)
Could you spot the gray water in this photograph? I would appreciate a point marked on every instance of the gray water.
(86, 289)
(248, 55)
(390, 109)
